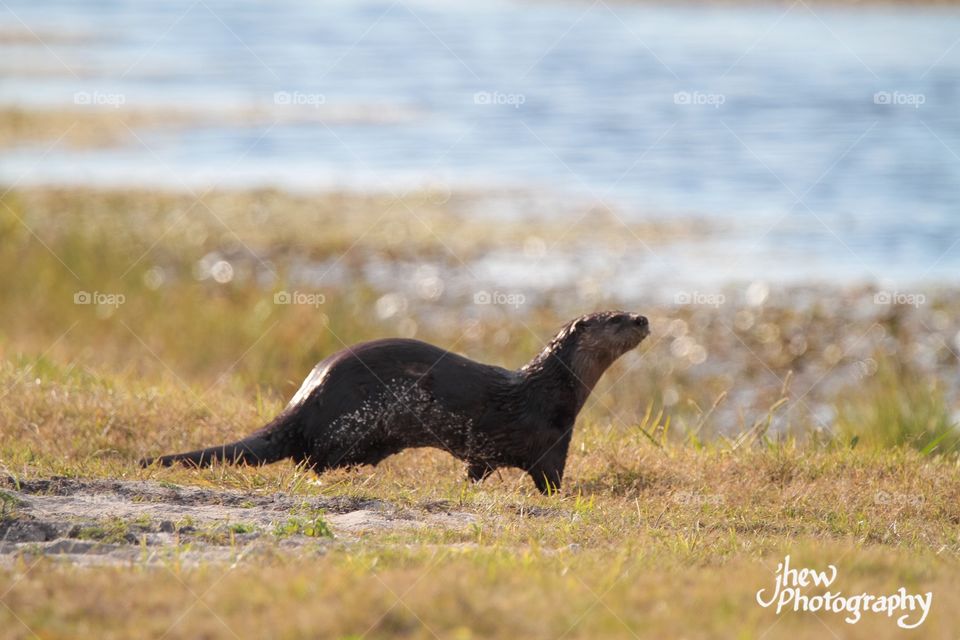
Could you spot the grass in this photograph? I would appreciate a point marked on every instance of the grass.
(314, 527)
(113, 531)
(8, 505)
(895, 409)
(87, 127)
(173, 322)
(672, 516)
(661, 538)
(241, 527)
(467, 594)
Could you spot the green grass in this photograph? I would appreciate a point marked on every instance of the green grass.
(896, 409)
(113, 531)
(315, 527)
(8, 505)
(240, 527)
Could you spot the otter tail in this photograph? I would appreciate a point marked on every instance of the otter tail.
(270, 444)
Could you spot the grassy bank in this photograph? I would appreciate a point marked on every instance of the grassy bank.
(645, 539)
(665, 539)
(811, 423)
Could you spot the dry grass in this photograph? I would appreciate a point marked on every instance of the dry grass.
(668, 540)
(83, 128)
(661, 529)
(472, 593)
(117, 123)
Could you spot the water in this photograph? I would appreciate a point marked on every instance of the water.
(827, 143)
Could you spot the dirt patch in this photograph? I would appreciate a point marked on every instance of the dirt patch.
(106, 521)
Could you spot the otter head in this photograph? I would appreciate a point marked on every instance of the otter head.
(601, 338)
(588, 345)
(609, 334)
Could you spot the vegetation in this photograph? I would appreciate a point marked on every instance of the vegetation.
(896, 410)
(681, 497)
(113, 531)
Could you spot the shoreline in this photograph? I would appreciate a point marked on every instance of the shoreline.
(681, 253)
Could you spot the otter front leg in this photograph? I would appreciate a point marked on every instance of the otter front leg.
(547, 471)
(547, 479)
(479, 471)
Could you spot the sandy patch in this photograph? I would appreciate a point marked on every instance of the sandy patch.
(103, 521)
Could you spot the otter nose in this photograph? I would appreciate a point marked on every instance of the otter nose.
(639, 320)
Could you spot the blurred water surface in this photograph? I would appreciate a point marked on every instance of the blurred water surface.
(827, 141)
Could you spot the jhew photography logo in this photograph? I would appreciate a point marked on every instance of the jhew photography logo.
(790, 585)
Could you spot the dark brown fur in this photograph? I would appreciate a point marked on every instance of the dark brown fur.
(377, 398)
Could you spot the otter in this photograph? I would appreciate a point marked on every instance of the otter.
(377, 398)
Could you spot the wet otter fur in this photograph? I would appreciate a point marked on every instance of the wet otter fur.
(374, 399)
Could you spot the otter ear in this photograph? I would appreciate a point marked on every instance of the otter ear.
(578, 324)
